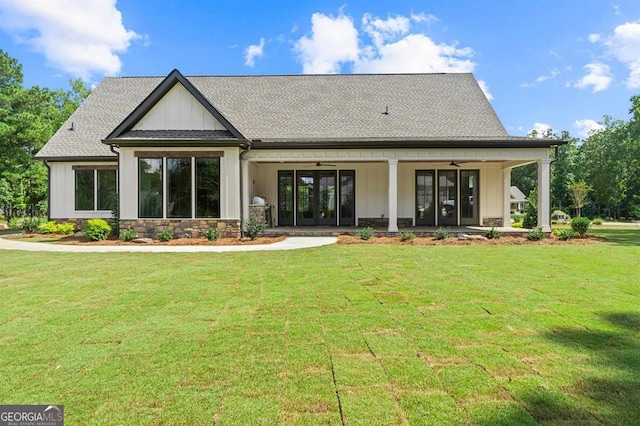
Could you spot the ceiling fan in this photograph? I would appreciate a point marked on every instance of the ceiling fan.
(319, 164)
(454, 164)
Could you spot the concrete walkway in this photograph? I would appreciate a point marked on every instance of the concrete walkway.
(291, 243)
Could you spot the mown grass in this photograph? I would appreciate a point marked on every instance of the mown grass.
(479, 335)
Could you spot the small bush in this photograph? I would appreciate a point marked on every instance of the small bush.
(517, 217)
(407, 236)
(128, 235)
(565, 234)
(597, 221)
(442, 233)
(516, 225)
(580, 225)
(66, 228)
(165, 235)
(212, 233)
(15, 223)
(536, 234)
(364, 233)
(48, 228)
(97, 229)
(493, 233)
(254, 227)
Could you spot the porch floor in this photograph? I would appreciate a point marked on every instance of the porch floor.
(421, 231)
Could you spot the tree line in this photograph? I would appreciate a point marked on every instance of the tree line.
(598, 176)
(28, 119)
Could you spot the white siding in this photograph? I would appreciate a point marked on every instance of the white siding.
(63, 192)
(178, 110)
(229, 181)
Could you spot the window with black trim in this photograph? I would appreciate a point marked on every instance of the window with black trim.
(95, 188)
(150, 181)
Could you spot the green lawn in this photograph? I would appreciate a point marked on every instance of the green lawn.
(486, 335)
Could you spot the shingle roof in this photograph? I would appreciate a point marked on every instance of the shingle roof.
(301, 107)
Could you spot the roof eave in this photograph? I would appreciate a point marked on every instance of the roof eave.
(110, 158)
(407, 143)
(174, 142)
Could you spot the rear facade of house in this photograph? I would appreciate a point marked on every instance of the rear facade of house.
(394, 151)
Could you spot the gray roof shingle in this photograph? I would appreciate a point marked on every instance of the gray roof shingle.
(301, 107)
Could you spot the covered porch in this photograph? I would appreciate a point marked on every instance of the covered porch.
(420, 231)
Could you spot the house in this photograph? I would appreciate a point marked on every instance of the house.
(518, 200)
(393, 150)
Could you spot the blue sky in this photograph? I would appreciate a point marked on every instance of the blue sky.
(563, 64)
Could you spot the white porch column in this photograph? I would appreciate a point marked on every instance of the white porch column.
(244, 208)
(544, 194)
(506, 197)
(393, 195)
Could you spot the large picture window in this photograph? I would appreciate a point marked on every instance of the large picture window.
(190, 183)
(150, 187)
(95, 187)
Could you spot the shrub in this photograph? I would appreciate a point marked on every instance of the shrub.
(48, 228)
(165, 235)
(406, 236)
(442, 233)
(565, 234)
(97, 229)
(212, 233)
(254, 227)
(536, 234)
(128, 235)
(364, 233)
(493, 233)
(580, 225)
(530, 220)
(516, 225)
(66, 228)
(517, 217)
(15, 223)
(597, 221)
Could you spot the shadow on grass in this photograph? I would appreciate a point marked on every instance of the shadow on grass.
(613, 384)
(621, 236)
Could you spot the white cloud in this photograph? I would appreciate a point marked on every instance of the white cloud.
(541, 129)
(392, 47)
(333, 41)
(553, 74)
(77, 36)
(252, 52)
(424, 17)
(586, 127)
(598, 76)
(485, 89)
(594, 38)
(624, 45)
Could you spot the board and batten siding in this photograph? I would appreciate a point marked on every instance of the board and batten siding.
(63, 192)
(229, 180)
(178, 110)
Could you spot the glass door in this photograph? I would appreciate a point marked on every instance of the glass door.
(326, 202)
(347, 197)
(306, 198)
(285, 197)
(469, 197)
(425, 189)
(447, 198)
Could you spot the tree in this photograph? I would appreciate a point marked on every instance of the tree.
(28, 118)
(564, 171)
(530, 220)
(578, 192)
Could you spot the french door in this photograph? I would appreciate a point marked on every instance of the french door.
(425, 193)
(316, 198)
(447, 197)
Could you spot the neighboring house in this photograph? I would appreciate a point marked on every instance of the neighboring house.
(518, 200)
(393, 150)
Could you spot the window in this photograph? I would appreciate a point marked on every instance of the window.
(192, 186)
(150, 187)
(179, 187)
(95, 188)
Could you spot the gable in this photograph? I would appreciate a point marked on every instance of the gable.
(178, 110)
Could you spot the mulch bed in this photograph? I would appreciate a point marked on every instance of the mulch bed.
(454, 241)
(113, 241)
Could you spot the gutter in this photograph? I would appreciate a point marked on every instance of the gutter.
(242, 154)
(48, 190)
(117, 211)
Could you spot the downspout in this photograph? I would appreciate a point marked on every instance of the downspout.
(48, 190)
(242, 154)
(557, 148)
(117, 212)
